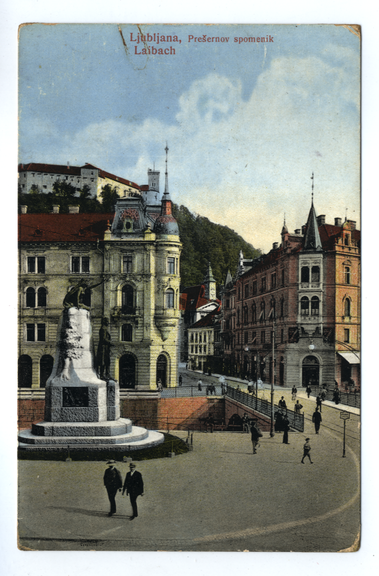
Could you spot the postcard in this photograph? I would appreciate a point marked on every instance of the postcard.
(189, 289)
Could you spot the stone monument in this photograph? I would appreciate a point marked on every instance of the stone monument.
(81, 408)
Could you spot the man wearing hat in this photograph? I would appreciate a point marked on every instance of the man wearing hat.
(133, 486)
(112, 482)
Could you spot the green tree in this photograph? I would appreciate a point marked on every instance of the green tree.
(110, 197)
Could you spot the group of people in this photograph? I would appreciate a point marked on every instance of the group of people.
(133, 486)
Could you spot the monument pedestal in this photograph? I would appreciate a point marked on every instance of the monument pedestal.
(80, 409)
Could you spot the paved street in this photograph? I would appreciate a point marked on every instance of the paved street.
(219, 497)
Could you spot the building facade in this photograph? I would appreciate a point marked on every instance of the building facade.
(285, 313)
(131, 259)
(45, 175)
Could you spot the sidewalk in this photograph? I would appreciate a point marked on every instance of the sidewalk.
(219, 497)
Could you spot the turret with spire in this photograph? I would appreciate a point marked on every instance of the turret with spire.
(210, 284)
(312, 240)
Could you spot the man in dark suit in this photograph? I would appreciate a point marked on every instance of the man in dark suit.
(112, 482)
(133, 486)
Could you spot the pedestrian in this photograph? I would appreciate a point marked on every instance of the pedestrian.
(255, 434)
(323, 395)
(279, 421)
(308, 390)
(180, 380)
(316, 419)
(298, 407)
(336, 396)
(286, 427)
(133, 486)
(282, 403)
(199, 385)
(245, 422)
(238, 388)
(306, 451)
(294, 392)
(112, 482)
(318, 402)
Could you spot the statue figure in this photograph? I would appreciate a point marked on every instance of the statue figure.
(103, 351)
(73, 298)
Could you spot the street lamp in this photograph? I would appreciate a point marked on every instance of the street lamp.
(311, 347)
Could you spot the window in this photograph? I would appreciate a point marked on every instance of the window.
(35, 332)
(41, 297)
(127, 301)
(315, 305)
(253, 312)
(263, 284)
(191, 337)
(347, 307)
(238, 317)
(273, 280)
(200, 337)
(246, 290)
(282, 336)
(347, 239)
(253, 337)
(80, 264)
(347, 274)
(170, 265)
(283, 277)
(255, 289)
(170, 298)
(30, 298)
(36, 264)
(304, 306)
(262, 315)
(282, 307)
(246, 337)
(126, 333)
(245, 315)
(127, 263)
(263, 337)
(305, 275)
(191, 349)
(346, 335)
(315, 274)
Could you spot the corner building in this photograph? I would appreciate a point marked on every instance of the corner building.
(136, 251)
(302, 299)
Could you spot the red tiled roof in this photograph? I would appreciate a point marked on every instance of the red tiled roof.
(329, 233)
(49, 168)
(105, 174)
(194, 297)
(62, 227)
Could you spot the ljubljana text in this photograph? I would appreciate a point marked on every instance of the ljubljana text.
(157, 38)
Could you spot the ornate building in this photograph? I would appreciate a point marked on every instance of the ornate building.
(301, 300)
(135, 252)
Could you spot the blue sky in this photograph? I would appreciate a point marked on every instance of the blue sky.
(246, 124)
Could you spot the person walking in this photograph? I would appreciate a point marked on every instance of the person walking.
(133, 486)
(180, 380)
(112, 482)
(286, 427)
(319, 402)
(255, 434)
(294, 392)
(306, 451)
(308, 390)
(245, 422)
(316, 419)
(282, 403)
(298, 407)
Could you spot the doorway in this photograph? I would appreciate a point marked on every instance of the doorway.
(127, 371)
(311, 371)
(162, 370)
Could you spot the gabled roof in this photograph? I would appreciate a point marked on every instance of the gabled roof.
(62, 227)
(193, 297)
(207, 321)
(50, 168)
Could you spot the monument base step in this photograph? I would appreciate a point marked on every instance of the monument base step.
(104, 428)
(136, 434)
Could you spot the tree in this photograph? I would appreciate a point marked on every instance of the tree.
(109, 196)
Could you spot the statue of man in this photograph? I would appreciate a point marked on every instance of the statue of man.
(103, 351)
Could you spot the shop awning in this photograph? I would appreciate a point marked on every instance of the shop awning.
(351, 357)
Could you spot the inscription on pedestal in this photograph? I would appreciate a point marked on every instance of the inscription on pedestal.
(75, 397)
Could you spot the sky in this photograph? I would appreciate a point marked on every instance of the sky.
(246, 123)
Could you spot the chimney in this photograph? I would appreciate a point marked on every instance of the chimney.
(73, 209)
(275, 245)
(55, 209)
(24, 209)
(321, 220)
(68, 165)
(303, 228)
(353, 224)
(337, 221)
(297, 231)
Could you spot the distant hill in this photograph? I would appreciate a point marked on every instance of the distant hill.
(204, 241)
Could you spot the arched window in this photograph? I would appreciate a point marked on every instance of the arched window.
(41, 297)
(315, 306)
(126, 333)
(315, 274)
(245, 315)
(305, 274)
(30, 298)
(347, 307)
(253, 312)
(262, 314)
(304, 306)
(238, 317)
(170, 298)
(127, 299)
(272, 308)
(282, 307)
(347, 274)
